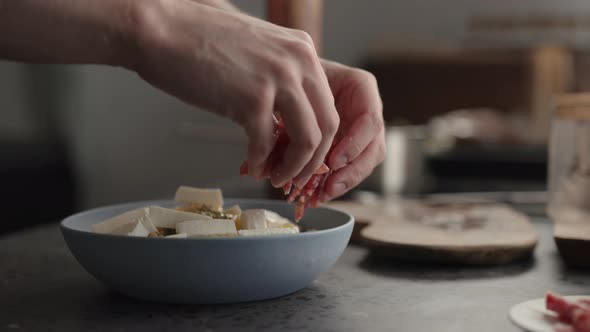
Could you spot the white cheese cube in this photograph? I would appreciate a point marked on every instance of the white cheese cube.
(177, 236)
(253, 219)
(199, 196)
(139, 230)
(268, 231)
(233, 210)
(213, 227)
(120, 224)
(147, 223)
(274, 220)
(262, 219)
(168, 218)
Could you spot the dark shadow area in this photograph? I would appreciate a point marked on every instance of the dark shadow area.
(568, 274)
(37, 185)
(395, 268)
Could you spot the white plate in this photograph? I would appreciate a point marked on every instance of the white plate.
(533, 317)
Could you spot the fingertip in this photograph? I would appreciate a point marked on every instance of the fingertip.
(276, 180)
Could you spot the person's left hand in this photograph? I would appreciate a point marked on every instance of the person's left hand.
(360, 141)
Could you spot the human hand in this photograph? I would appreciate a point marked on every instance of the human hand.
(360, 141)
(247, 70)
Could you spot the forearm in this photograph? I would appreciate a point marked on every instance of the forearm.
(67, 31)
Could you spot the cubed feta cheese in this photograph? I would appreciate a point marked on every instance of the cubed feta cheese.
(168, 218)
(186, 196)
(233, 210)
(120, 224)
(212, 227)
(274, 220)
(262, 219)
(253, 219)
(139, 230)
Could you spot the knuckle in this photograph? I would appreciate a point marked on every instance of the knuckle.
(375, 121)
(303, 36)
(369, 80)
(309, 143)
(331, 126)
(356, 177)
(365, 77)
(147, 21)
(304, 52)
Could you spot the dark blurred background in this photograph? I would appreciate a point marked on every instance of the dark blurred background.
(466, 85)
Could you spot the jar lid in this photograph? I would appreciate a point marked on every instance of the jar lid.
(573, 106)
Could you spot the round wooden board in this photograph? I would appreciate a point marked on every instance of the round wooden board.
(445, 232)
(365, 213)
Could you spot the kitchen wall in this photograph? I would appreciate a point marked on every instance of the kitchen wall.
(129, 141)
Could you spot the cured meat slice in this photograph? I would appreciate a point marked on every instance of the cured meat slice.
(310, 193)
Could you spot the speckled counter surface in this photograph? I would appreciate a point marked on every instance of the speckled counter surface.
(42, 288)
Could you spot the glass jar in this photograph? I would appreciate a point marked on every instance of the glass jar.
(569, 155)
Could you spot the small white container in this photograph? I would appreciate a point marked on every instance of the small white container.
(569, 155)
(403, 170)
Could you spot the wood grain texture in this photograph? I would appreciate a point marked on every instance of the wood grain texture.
(435, 232)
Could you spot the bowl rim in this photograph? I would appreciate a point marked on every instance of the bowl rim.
(64, 227)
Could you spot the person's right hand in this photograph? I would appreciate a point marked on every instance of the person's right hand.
(247, 70)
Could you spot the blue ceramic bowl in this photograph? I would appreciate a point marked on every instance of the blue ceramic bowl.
(212, 270)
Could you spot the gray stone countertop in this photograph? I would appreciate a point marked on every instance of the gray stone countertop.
(42, 288)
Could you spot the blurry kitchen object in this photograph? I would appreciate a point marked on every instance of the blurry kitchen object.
(402, 171)
(486, 109)
(470, 231)
(529, 28)
(421, 83)
(475, 126)
(532, 203)
(483, 149)
(569, 178)
(304, 15)
(552, 70)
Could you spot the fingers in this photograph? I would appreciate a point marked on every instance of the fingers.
(304, 133)
(366, 123)
(304, 100)
(355, 141)
(322, 102)
(260, 130)
(310, 116)
(350, 176)
(261, 142)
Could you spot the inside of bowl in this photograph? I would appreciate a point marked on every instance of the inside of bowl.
(314, 219)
